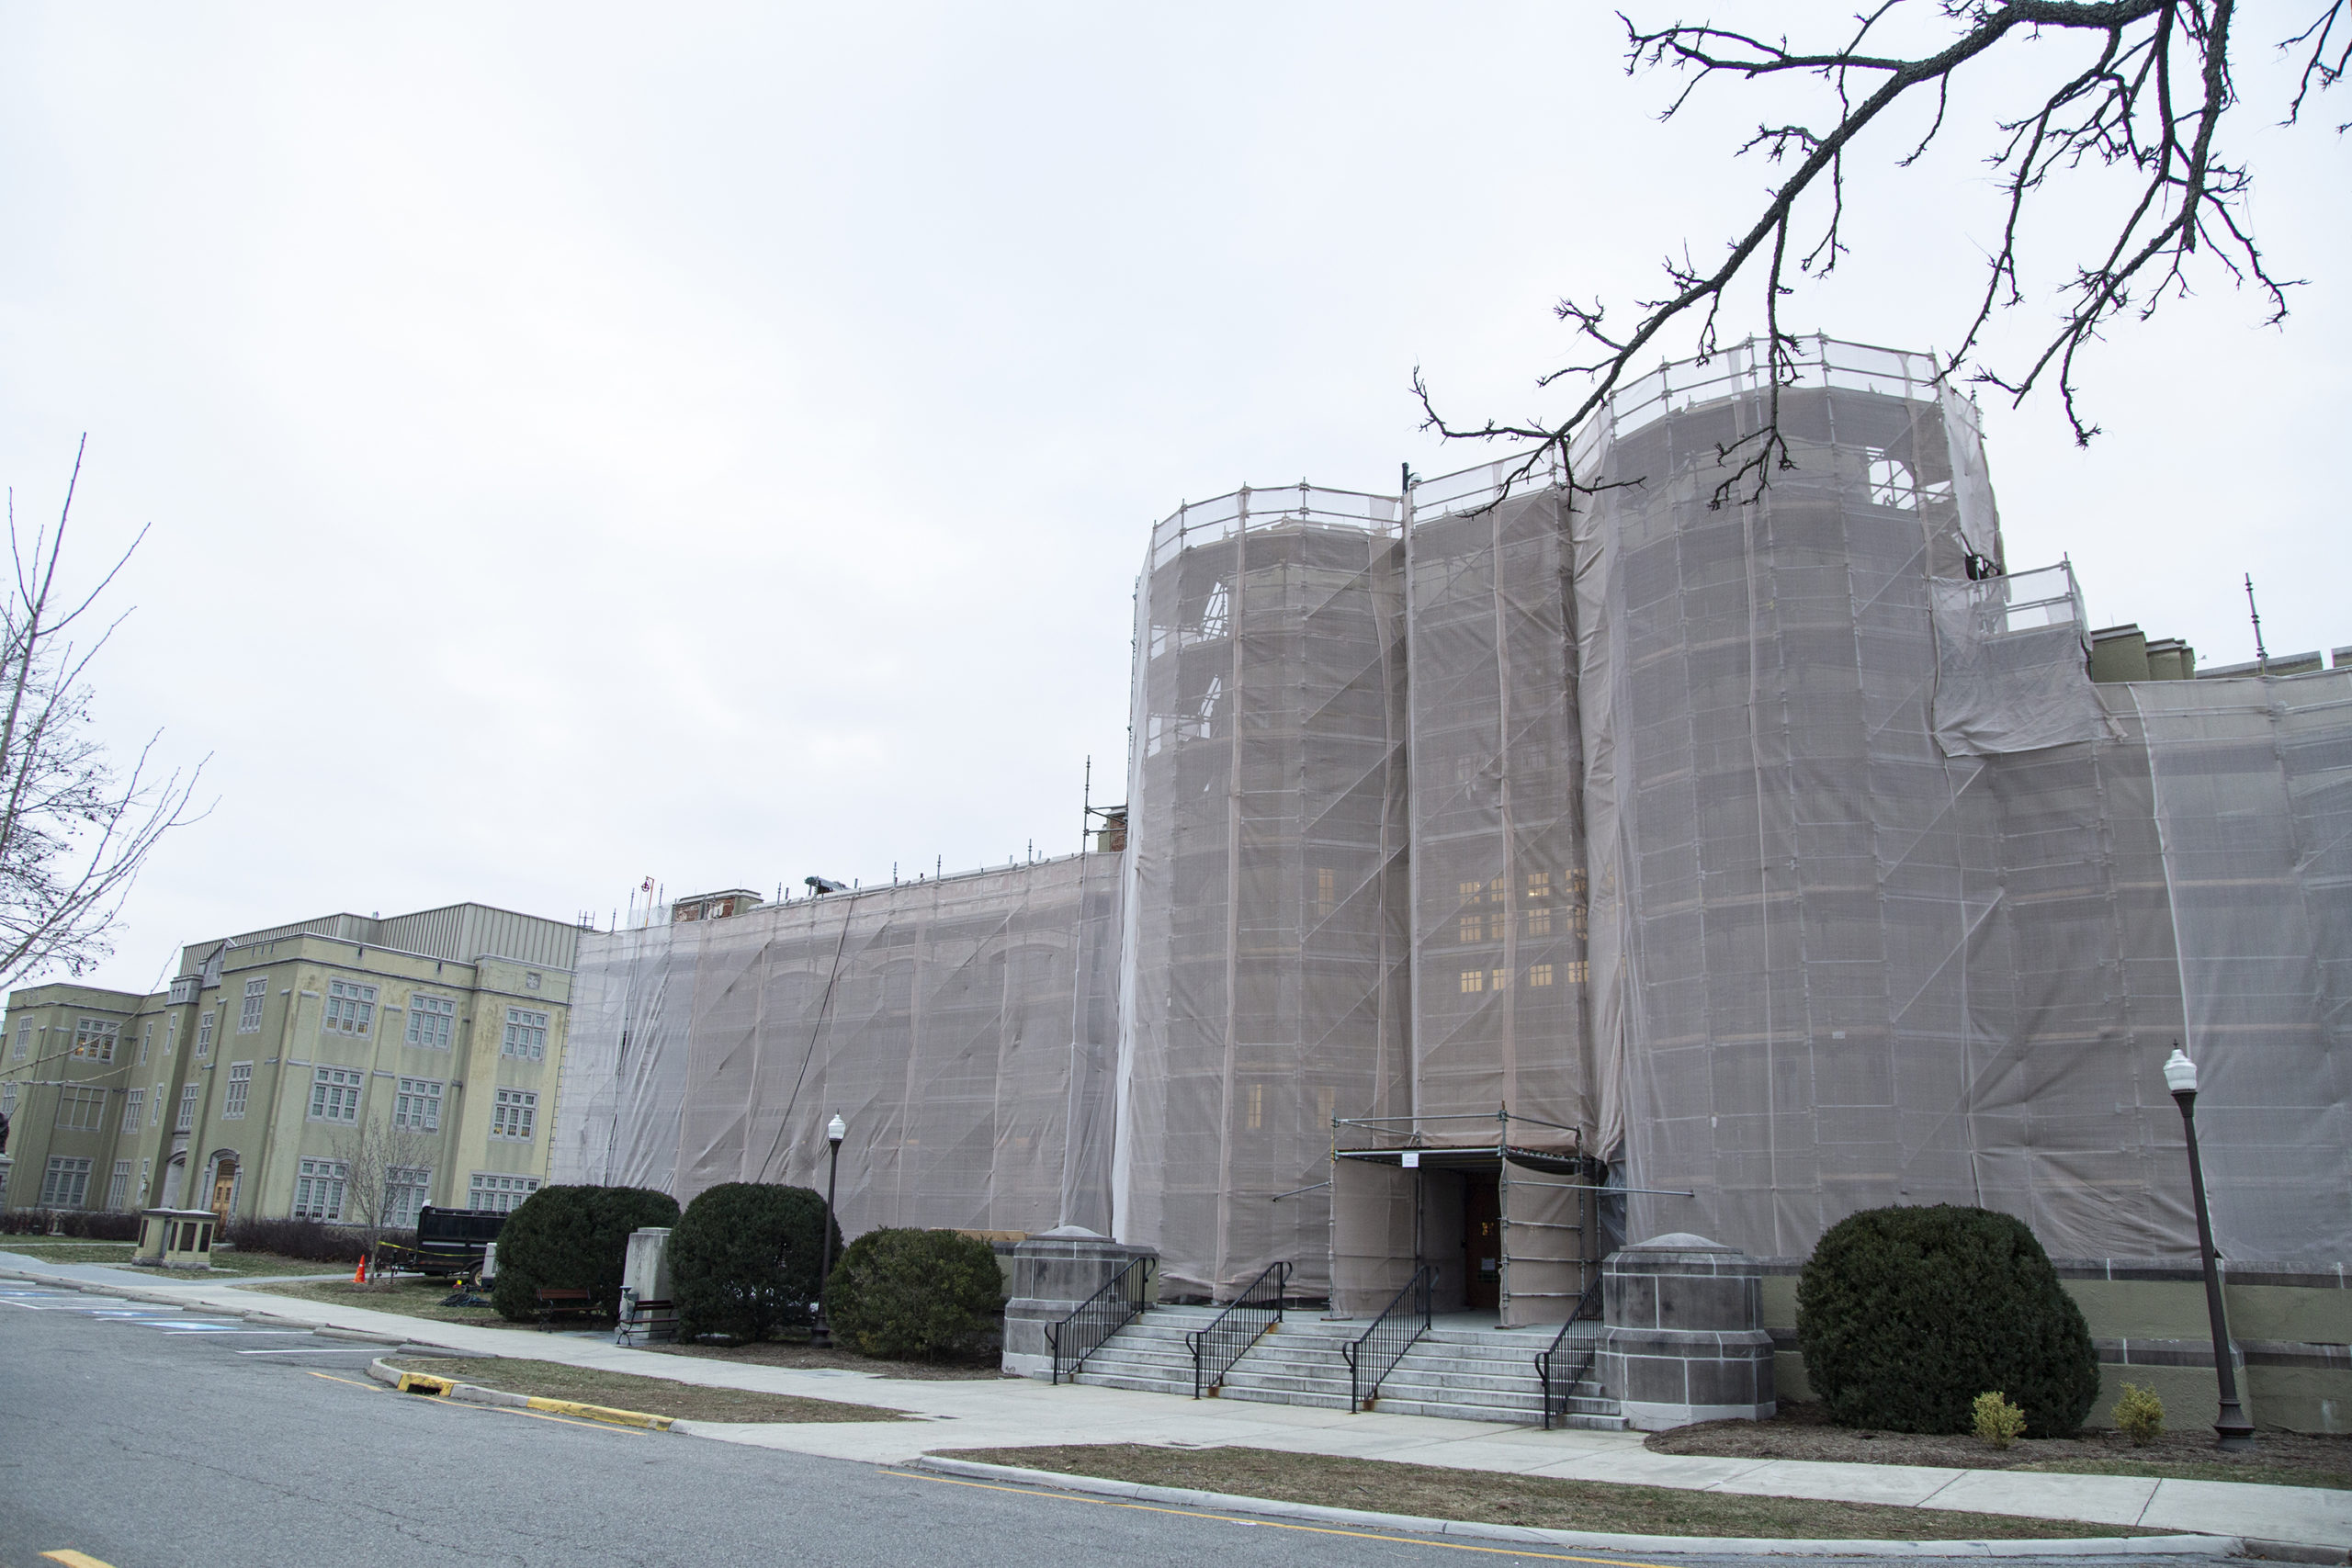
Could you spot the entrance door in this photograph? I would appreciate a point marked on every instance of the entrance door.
(1482, 1243)
(224, 1187)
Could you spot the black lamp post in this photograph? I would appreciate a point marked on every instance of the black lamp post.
(835, 1130)
(2232, 1430)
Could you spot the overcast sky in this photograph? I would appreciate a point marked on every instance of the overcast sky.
(585, 443)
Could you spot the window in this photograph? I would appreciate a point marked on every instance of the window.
(118, 1190)
(430, 1020)
(1539, 975)
(1327, 892)
(318, 1188)
(351, 1008)
(1499, 979)
(24, 1040)
(240, 1082)
(81, 1110)
(7, 1099)
(418, 1105)
(499, 1194)
(1256, 1116)
(204, 1035)
(146, 1038)
(404, 1192)
(1473, 980)
(513, 1114)
(527, 1034)
(256, 992)
(187, 1123)
(1539, 903)
(65, 1183)
(146, 1170)
(184, 989)
(334, 1094)
(94, 1039)
(134, 1110)
(1580, 971)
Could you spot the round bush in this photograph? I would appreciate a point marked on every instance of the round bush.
(572, 1238)
(1906, 1315)
(746, 1258)
(916, 1295)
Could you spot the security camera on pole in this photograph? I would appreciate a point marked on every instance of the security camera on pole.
(2233, 1430)
(835, 1131)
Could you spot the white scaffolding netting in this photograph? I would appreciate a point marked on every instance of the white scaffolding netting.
(963, 1028)
(1264, 983)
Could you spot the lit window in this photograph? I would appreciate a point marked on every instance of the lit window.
(500, 1194)
(187, 1109)
(1500, 979)
(405, 1188)
(240, 1082)
(249, 1017)
(1327, 892)
(430, 1020)
(318, 1188)
(134, 1110)
(514, 1115)
(118, 1190)
(65, 1183)
(334, 1094)
(1577, 972)
(1539, 975)
(418, 1105)
(1473, 980)
(527, 1034)
(1539, 903)
(94, 1039)
(351, 1008)
(1472, 924)
(81, 1110)
(204, 1035)
(1257, 1106)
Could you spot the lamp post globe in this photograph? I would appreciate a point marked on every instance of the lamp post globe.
(2231, 1428)
(820, 1334)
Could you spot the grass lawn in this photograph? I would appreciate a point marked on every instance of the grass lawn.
(1483, 1497)
(411, 1298)
(799, 1354)
(230, 1262)
(1801, 1430)
(625, 1391)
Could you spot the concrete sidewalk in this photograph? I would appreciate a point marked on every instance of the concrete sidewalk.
(1020, 1413)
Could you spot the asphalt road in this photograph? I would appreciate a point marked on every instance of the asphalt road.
(150, 1437)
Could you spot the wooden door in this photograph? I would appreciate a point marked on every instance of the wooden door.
(1482, 1243)
(224, 1187)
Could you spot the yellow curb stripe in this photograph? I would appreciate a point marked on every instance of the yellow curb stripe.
(490, 1409)
(602, 1412)
(73, 1558)
(1278, 1524)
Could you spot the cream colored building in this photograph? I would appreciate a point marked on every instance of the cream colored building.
(277, 1059)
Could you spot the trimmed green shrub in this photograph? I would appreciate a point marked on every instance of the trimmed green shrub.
(1998, 1423)
(572, 1238)
(1906, 1315)
(2140, 1414)
(916, 1295)
(746, 1258)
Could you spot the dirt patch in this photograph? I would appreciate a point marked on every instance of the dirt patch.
(1803, 1431)
(1483, 1497)
(803, 1356)
(626, 1390)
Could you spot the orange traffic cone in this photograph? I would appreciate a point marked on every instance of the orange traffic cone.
(359, 1275)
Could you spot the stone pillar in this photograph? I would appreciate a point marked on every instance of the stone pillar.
(1685, 1341)
(645, 1272)
(1053, 1275)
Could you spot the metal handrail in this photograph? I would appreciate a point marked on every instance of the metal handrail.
(1374, 1353)
(1555, 1407)
(1209, 1365)
(1120, 1300)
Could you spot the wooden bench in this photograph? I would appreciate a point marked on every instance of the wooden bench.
(641, 1321)
(555, 1303)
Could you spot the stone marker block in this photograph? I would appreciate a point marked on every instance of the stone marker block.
(1685, 1341)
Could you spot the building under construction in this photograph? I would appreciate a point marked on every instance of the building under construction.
(1507, 868)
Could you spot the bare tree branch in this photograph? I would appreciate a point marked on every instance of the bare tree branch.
(2147, 99)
